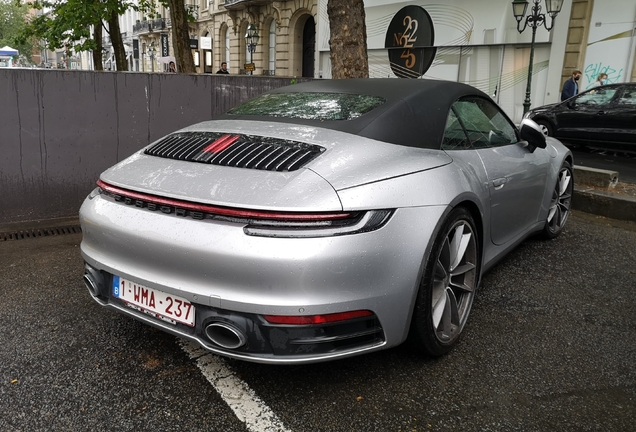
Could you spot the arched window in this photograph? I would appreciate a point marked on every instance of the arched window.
(272, 48)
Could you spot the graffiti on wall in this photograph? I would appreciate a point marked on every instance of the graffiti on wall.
(593, 70)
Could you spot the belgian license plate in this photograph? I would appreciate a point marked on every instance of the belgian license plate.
(166, 307)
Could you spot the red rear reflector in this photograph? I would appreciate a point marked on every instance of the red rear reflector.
(316, 319)
(221, 144)
(223, 211)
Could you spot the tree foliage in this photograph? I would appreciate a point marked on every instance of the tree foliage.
(67, 24)
(79, 25)
(179, 17)
(348, 39)
(181, 36)
(13, 21)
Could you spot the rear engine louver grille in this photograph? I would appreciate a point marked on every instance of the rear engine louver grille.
(235, 150)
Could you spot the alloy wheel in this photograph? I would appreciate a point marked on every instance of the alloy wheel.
(454, 280)
(561, 201)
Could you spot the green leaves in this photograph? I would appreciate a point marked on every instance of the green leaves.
(68, 22)
(13, 21)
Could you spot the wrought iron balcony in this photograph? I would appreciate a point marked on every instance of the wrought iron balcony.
(148, 26)
(159, 24)
(142, 27)
(242, 4)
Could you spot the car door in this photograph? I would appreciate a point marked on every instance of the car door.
(515, 175)
(583, 117)
(621, 119)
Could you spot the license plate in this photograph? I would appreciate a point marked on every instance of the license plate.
(166, 307)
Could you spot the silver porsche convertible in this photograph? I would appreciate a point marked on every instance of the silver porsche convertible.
(324, 219)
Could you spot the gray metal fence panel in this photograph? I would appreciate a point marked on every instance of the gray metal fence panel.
(60, 129)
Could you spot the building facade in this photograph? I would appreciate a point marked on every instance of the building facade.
(472, 42)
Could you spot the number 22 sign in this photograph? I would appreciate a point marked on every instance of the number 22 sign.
(409, 40)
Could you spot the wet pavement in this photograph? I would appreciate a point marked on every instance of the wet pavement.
(624, 163)
(550, 345)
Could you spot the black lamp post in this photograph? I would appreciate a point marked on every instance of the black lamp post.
(251, 39)
(534, 19)
(151, 53)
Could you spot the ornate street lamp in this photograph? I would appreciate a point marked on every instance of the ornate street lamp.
(534, 19)
(251, 39)
(151, 53)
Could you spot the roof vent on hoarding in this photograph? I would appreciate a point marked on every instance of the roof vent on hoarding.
(235, 150)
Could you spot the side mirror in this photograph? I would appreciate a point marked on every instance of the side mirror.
(571, 104)
(530, 131)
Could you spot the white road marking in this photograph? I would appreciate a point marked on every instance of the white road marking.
(247, 406)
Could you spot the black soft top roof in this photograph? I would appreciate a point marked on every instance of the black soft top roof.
(413, 115)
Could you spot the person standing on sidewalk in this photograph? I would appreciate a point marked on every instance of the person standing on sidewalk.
(600, 80)
(571, 86)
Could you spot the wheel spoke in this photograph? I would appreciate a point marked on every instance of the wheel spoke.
(551, 213)
(556, 222)
(438, 311)
(560, 205)
(450, 316)
(445, 254)
(440, 270)
(458, 278)
(564, 181)
(464, 268)
(459, 246)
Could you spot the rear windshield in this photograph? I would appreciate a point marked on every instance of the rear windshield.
(309, 106)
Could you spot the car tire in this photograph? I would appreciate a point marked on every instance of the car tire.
(546, 127)
(561, 202)
(448, 286)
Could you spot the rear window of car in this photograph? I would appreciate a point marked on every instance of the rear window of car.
(309, 106)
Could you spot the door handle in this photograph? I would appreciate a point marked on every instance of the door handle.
(499, 183)
(600, 113)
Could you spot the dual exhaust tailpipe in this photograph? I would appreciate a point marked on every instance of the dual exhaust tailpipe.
(94, 282)
(225, 335)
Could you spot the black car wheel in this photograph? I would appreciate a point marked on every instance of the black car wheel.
(560, 203)
(546, 127)
(448, 286)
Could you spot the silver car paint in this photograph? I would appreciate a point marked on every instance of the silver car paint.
(516, 181)
(301, 190)
(216, 264)
(348, 161)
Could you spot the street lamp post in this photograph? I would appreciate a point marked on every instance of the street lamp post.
(251, 39)
(151, 53)
(534, 19)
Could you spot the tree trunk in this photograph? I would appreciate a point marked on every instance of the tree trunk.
(117, 41)
(97, 53)
(348, 39)
(181, 37)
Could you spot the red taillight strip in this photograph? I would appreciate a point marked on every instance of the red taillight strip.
(221, 144)
(316, 319)
(223, 211)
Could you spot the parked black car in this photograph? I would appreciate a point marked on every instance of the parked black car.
(603, 117)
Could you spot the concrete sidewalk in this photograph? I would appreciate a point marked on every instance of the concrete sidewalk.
(599, 192)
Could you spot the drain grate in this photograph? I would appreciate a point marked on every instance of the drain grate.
(40, 232)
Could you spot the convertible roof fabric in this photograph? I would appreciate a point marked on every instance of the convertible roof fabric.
(413, 115)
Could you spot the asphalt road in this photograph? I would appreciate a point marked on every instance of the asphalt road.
(550, 345)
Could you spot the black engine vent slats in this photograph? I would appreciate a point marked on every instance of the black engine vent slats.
(235, 150)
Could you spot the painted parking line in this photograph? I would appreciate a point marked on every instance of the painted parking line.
(247, 406)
